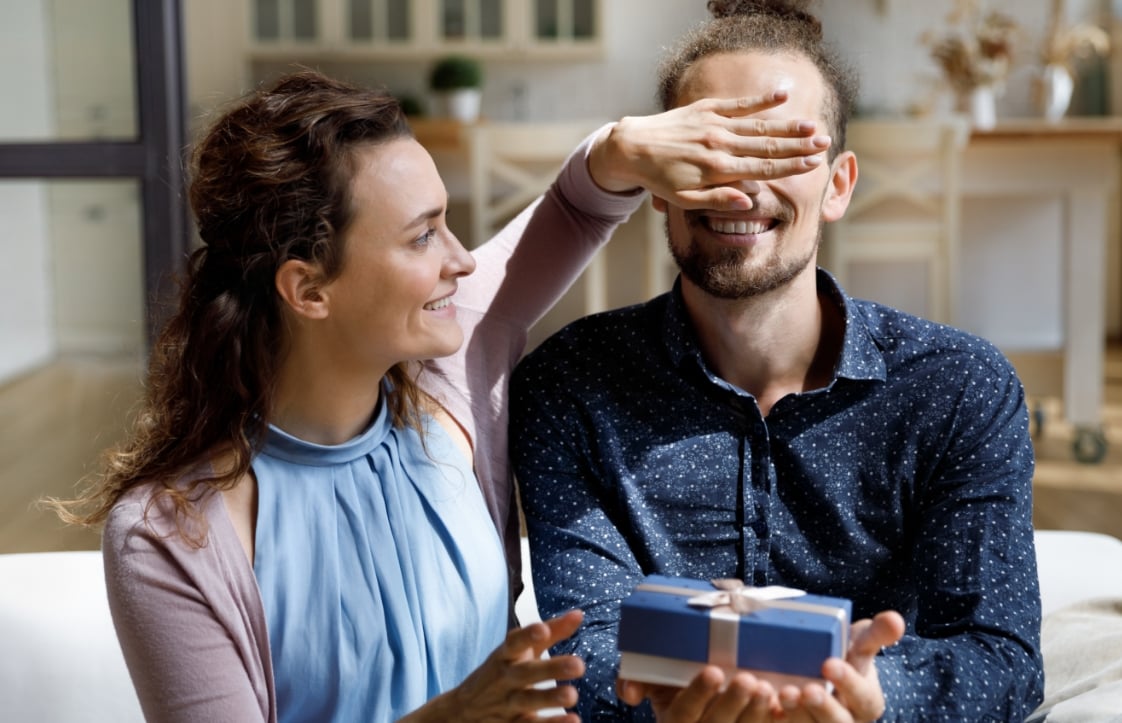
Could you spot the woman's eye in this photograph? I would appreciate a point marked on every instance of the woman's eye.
(425, 238)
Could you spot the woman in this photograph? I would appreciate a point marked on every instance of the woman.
(305, 523)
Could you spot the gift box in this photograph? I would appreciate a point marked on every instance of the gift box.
(670, 628)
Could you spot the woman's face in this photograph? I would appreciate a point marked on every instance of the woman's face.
(392, 300)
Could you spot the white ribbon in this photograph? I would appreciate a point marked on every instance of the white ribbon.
(743, 599)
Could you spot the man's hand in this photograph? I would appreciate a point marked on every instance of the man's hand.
(745, 699)
(857, 692)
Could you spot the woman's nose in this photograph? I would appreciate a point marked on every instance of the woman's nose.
(458, 262)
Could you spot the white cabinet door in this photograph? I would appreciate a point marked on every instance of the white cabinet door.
(425, 29)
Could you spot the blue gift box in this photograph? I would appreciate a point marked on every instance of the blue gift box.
(671, 627)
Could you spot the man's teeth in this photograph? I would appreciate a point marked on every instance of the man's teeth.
(721, 225)
(439, 303)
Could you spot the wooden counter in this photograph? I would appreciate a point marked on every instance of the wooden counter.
(1039, 214)
(439, 134)
(1095, 128)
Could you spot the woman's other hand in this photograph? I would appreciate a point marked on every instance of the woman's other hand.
(502, 689)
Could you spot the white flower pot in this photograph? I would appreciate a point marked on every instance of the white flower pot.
(1056, 86)
(462, 104)
(983, 107)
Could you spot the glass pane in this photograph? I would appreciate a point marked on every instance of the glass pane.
(266, 24)
(491, 18)
(361, 20)
(304, 19)
(453, 20)
(584, 19)
(397, 20)
(50, 87)
(71, 311)
(546, 22)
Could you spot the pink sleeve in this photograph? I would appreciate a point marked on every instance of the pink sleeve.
(520, 275)
(192, 648)
(526, 268)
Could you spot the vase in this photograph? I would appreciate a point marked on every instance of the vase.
(462, 104)
(1056, 86)
(982, 106)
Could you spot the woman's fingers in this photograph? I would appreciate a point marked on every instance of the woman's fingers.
(534, 639)
(742, 106)
(563, 626)
(532, 699)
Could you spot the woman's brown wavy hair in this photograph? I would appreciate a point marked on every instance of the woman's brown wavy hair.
(271, 182)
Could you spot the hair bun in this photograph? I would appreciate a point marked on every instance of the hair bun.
(790, 10)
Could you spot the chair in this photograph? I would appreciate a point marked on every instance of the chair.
(59, 656)
(511, 164)
(904, 214)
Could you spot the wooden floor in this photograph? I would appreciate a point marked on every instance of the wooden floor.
(55, 421)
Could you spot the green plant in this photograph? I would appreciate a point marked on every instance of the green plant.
(454, 72)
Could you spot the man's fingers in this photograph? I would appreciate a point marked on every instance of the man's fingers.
(632, 692)
(869, 636)
(692, 701)
(861, 695)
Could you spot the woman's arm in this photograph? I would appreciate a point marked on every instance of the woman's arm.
(185, 620)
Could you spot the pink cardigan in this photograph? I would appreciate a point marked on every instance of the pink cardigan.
(191, 622)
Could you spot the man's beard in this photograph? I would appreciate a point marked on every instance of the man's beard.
(724, 274)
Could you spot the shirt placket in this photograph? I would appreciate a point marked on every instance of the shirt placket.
(755, 485)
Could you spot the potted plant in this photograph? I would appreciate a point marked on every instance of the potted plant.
(457, 83)
(1064, 46)
(975, 55)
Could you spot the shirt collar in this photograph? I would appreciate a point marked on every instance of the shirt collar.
(861, 356)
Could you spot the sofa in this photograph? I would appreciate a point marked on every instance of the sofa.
(60, 662)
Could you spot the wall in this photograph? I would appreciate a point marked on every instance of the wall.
(621, 83)
(26, 315)
(883, 40)
(880, 38)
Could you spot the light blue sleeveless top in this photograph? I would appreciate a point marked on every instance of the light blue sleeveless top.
(381, 573)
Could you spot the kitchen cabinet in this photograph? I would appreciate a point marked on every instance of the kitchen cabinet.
(424, 29)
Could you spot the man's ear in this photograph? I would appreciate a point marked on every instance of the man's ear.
(298, 283)
(843, 178)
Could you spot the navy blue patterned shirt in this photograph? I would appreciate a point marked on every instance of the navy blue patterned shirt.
(905, 484)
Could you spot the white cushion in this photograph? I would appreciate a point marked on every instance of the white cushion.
(59, 656)
(1076, 566)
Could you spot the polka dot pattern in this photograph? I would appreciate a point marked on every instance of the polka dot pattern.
(905, 484)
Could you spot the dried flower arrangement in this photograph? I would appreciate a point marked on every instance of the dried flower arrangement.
(978, 50)
(1065, 45)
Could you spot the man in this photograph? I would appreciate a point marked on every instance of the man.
(758, 423)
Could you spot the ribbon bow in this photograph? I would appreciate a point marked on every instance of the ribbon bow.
(742, 599)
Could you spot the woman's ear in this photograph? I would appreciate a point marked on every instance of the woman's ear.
(298, 283)
(659, 204)
(843, 178)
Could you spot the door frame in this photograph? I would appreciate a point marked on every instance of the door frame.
(153, 159)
